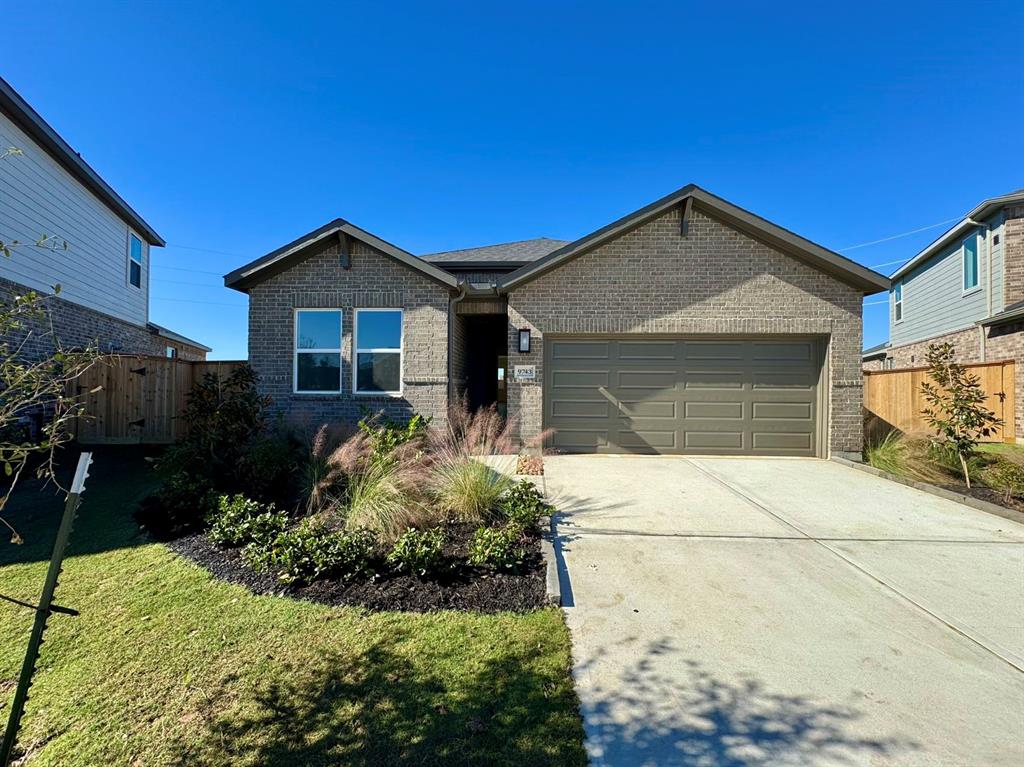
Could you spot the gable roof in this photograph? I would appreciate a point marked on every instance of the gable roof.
(277, 261)
(163, 332)
(829, 261)
(519, 252)
(26, 118)
(981, 211)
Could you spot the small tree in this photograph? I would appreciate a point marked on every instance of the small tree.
(956, 405)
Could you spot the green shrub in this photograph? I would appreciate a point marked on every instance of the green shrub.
(524, 505)
(418, 552)
(468, 489)
(1007, 477)
(499, 548)
(385, 434)
(270, 468)
(181, 506)
(238, 521)
(310, 552)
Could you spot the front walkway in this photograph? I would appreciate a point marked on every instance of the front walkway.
(787, 612)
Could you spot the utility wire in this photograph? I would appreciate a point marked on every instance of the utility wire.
(191, 301)
(901, 234)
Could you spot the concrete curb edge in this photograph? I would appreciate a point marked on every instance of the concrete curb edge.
(924, 487)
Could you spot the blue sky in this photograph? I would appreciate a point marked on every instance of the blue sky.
(235, 127)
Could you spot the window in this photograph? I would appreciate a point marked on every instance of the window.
(897, 294)
(134, 260)
(170, 352)
(970, 260)
(378, 351)
(317, 351)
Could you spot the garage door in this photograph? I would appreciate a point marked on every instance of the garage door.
(645, 394)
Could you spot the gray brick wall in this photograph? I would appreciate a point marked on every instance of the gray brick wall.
(374, 280)
(79, 326)
(1013, 255)
(717, 280)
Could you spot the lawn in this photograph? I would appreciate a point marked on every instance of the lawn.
(167, 666)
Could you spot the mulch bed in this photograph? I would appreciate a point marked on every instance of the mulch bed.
(463, 588)
(984, 493)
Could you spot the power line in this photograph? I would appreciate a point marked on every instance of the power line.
(191, 301)
(162, 281)
(901, 234)
(205, 250)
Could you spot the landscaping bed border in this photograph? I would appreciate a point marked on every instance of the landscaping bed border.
(941, 492)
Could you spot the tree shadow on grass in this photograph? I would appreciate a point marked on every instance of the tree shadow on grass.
(375, 707)
(668, 711)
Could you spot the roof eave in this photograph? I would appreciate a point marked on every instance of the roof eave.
(30, 121)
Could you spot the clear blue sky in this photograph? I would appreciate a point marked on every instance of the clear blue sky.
(234, 128)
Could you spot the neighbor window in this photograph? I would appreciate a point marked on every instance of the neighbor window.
(318, 351)
(970, 262)
(170, 352)
(378, 351)
(134, 260)
(897, 294)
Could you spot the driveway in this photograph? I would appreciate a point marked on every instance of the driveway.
(787, 612)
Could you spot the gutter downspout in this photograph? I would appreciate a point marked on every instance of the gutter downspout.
(451, 327)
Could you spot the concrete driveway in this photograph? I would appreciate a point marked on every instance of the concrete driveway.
(787, 612)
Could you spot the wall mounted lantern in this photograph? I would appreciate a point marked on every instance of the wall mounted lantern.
(524, 340)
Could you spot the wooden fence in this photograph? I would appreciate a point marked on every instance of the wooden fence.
(139, 399)
(893, 400)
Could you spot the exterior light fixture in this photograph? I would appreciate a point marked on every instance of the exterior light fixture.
(524, 340)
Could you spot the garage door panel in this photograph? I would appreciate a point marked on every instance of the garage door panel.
(729, 396)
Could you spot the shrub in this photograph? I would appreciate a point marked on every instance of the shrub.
(310, 552)
(385, 493)
(385, 434)
(1007, 477)
(238, 521)
(418, 552)
(524, 505)
(499, 548)
(183, 504)
(269, 468)
(467, 488)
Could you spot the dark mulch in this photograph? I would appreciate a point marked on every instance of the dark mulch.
(984, 493)
(462, 588)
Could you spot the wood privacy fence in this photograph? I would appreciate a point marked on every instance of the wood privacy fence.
(893, 399)
(140, 399)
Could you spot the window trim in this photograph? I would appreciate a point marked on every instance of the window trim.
(356, 349)
(340, 351)
(898, 317)
(129, 260)
(964, 290)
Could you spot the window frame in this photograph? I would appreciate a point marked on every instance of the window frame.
(129, 260)
(296, 351)
(356, 349)
(964, 290)
(898, 314)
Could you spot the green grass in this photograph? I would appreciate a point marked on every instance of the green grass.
(166, 666)
(1004, 450)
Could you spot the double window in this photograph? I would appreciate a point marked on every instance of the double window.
(376, 351)
(897, 302)
(317, 351)
(134, 260)
(970, 263)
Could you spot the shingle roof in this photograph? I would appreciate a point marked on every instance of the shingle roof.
(521, 251)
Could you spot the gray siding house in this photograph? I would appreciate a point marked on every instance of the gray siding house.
(46, 188)
(687, 326)
(966, 288)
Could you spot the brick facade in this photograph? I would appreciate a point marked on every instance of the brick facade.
(716, 280)
(1013, 254)
(373, 281)
(78, 326)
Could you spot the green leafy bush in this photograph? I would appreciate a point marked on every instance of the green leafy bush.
(1007, 477)
(524, 505)
(181, 506)
(309, 552)
(270, 468)
(499, 548)
(238, 521)
(385, 434)
(418, 552)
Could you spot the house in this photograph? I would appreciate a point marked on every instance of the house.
(46, 188)
(966, 288)
(687, 326)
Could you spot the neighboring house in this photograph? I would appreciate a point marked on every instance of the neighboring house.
(688, 326)
(46, 188)
(966, 288)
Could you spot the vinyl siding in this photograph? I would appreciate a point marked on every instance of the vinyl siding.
(933, 299)
(37, 196)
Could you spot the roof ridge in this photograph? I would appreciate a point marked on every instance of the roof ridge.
(493, 245)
